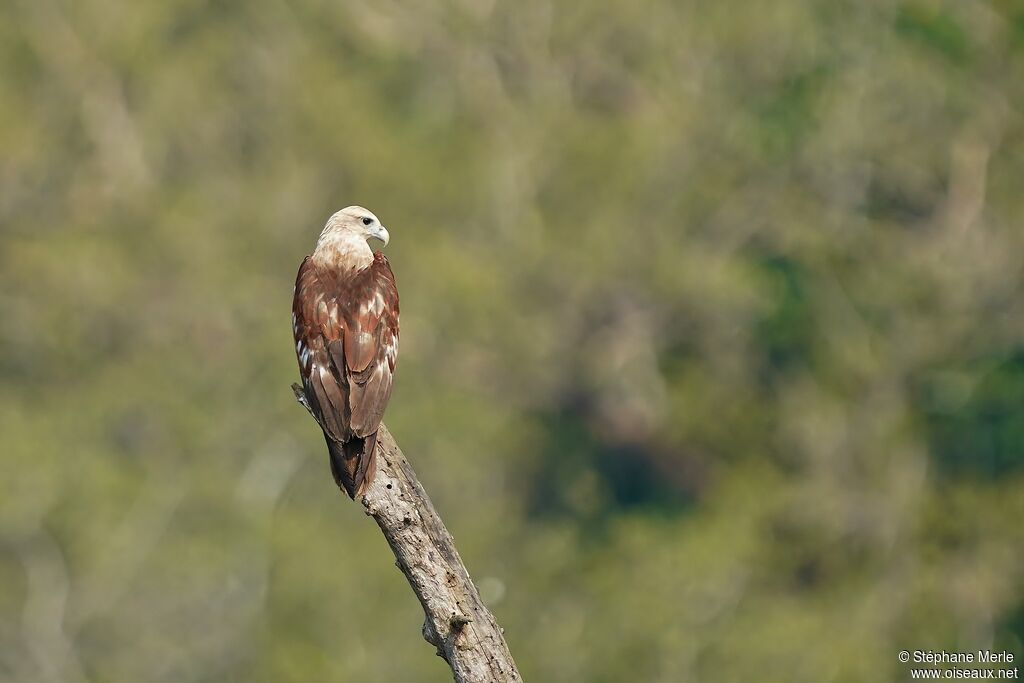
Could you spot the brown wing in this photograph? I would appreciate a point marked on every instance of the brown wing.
(314, 324)
(370, 344)
(346, 341)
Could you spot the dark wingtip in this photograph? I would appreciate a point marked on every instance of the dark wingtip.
(343, 466)
(367, 463)
(353, 463)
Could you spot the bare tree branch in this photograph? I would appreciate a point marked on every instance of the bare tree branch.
(457, 623)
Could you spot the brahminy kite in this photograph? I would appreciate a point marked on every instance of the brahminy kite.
(345, 322)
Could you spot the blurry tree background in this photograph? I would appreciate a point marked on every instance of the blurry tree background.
(712, 317)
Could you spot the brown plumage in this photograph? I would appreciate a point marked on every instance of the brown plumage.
(345, 322)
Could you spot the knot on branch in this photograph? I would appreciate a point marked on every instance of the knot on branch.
(431, 635)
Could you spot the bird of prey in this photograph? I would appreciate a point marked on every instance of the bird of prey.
(345, 322)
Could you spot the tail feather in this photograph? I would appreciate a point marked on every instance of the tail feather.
(353, 462)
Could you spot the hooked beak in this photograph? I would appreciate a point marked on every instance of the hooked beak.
(381, 233)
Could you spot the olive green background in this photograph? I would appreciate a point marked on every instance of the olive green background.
(712, 333)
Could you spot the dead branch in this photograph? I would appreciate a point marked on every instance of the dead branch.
(457, 623)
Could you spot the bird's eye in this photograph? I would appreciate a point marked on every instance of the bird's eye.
(367, 220)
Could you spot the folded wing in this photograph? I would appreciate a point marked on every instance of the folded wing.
(346, 338)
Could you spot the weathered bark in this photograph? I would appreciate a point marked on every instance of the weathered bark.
(457, 623)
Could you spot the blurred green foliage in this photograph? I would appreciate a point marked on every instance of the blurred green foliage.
(713, 333)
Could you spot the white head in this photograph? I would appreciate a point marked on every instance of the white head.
(343, 239)
(354, 222)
